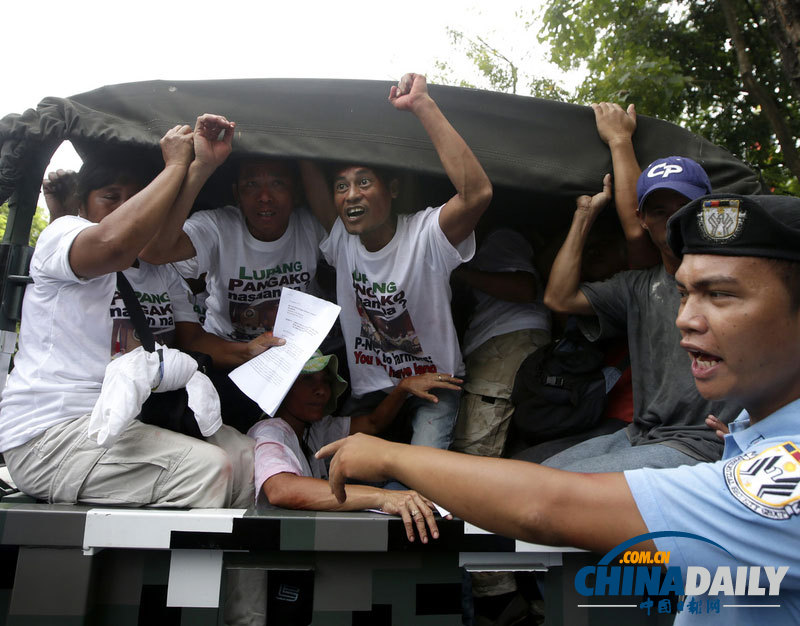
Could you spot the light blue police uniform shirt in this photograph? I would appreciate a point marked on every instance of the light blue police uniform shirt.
(749, 503)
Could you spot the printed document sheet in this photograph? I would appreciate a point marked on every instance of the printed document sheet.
(303, 321)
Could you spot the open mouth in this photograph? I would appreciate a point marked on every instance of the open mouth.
(266, 213)
(355, 211)
(704, 360)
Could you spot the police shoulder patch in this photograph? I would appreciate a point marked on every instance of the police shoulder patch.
(721, 220)
(767, 482)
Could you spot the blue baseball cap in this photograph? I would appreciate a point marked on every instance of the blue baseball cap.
(680, 174)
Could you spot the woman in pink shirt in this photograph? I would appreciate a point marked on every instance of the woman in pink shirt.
(287, 474)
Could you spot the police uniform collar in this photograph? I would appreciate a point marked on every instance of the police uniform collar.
(785, 422)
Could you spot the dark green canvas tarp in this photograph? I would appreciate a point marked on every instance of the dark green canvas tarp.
(539, 154)
(527, 143)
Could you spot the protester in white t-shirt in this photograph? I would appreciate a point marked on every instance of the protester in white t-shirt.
(393, 270)
(73, 323)
(508, 323)
(245, 275)
(247, 253)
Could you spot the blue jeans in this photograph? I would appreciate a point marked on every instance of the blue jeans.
(614, 453)
(432, 423)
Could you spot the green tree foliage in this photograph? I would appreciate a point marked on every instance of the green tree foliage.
(678, 61)
(711, 66)
(497, 70)
(40, 221)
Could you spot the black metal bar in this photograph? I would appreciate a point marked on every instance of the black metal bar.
(15, 254)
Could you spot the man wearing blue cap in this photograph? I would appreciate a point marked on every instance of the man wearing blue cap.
(731, 527)
(681, 178)
(668, 427)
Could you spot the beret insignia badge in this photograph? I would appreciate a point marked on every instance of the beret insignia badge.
(721, 221)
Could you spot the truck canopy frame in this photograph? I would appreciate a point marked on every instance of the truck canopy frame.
(539, 154)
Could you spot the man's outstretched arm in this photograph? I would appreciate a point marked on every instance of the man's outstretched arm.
(461, 213)
(562, 293)
(511, 498)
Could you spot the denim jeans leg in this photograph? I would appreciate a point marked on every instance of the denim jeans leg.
(433, 423)
(614, 453)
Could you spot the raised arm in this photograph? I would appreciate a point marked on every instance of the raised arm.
(318, 194)
(616, 126)
(562, 293)
(116, 241)
(60, 190)
(420, 386)
(511, 498)
(213, 135)
(461, 213)
(291, 491)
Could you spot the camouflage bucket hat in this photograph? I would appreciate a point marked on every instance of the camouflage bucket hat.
(319, 362)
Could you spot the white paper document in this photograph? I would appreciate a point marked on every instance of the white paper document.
(303, 321)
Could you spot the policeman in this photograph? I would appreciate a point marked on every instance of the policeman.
(739, 319)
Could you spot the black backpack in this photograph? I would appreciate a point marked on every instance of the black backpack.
(560, 389)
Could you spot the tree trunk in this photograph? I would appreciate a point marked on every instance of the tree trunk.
(758, 93)
(783, 18)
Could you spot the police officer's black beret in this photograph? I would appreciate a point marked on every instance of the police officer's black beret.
(731, 225)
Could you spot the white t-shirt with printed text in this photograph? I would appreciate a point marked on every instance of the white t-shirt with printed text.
(71, 328)
(244, 276)
(396, 317)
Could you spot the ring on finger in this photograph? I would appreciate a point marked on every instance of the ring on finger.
(414, 513)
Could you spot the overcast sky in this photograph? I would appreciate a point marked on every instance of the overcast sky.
(57, 48)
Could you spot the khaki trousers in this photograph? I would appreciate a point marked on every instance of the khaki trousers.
(147, 465)
(485, 413)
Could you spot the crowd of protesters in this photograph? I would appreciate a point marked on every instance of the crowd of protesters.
(400, 368)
